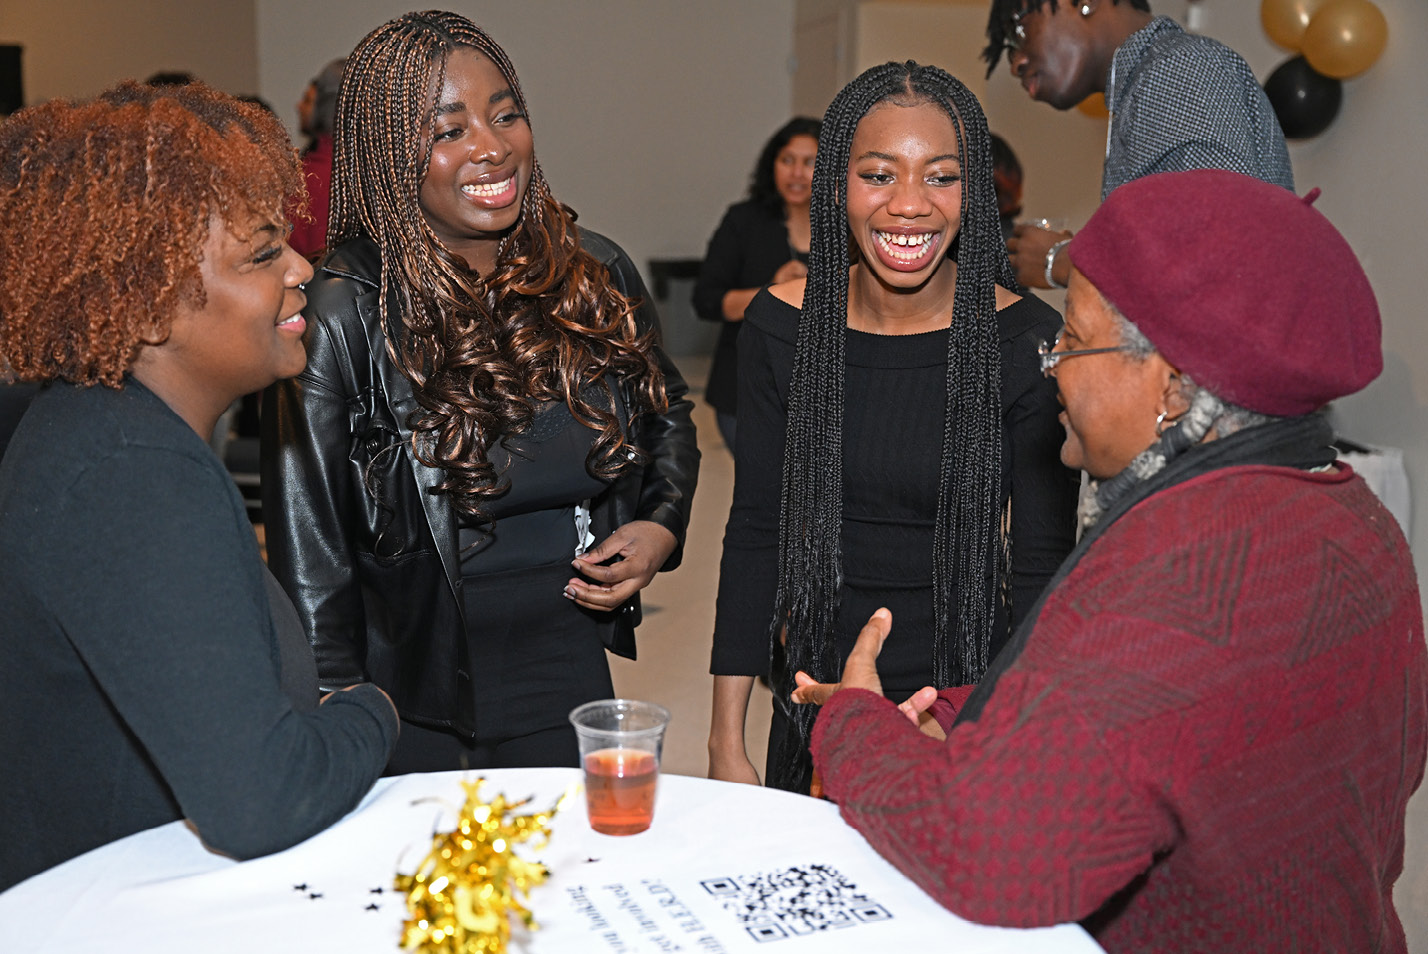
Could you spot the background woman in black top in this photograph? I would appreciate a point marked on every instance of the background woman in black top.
(762, 240)
(485, 402)
(893, 420)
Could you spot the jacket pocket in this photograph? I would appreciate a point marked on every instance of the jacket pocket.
(415, 638)
(390, 507)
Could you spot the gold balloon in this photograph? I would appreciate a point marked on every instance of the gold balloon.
(1094, 106)
(1345, 38)
(1286, 20)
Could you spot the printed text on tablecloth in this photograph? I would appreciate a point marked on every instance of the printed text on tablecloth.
(766, 906)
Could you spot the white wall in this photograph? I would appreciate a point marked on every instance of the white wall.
(648, 114)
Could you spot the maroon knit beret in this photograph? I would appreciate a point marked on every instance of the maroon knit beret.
(1240, 284)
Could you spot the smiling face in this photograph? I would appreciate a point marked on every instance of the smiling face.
(793, 171)
(1111, 399)
(905, 192)
(1055, 62)
(246, 333)
(482, 159)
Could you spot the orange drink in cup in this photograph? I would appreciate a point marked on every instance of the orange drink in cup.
(620, 744)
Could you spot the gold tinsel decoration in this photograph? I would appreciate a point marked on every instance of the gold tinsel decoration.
(460, 899)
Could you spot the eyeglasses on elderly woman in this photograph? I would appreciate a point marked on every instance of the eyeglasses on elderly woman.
(1050, 357)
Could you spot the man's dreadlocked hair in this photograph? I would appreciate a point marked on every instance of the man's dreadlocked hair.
(969, 501)
(1001, 17)
(545, 325)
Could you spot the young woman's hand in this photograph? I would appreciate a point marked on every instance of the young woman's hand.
(642, 547)
(730, 766)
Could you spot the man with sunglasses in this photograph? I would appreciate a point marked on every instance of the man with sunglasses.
(1178, 101)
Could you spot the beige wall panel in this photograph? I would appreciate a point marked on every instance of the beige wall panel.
(821, 61)
(945, 35)
(79, 47)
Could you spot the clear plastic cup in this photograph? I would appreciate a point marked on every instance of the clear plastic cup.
(620, 745)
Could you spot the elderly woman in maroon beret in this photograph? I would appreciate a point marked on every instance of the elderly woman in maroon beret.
(1205, 736)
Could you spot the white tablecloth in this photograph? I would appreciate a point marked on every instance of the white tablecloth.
(716, 873)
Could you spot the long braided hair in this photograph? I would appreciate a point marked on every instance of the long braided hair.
(968, 530)
(545, 325)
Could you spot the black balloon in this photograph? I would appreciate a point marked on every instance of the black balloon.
(1305, 101)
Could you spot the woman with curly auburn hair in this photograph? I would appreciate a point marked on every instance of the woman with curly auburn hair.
(148, 286)
(485, 404)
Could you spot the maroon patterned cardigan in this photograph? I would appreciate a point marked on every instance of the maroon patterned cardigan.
(1207, 742)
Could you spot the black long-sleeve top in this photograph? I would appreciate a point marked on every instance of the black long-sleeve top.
(894, 404)
(145, 675)
(750, 244)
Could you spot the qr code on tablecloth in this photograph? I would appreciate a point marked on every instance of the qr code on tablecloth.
(791, 902)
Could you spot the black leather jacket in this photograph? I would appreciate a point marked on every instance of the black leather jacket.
(355, 530)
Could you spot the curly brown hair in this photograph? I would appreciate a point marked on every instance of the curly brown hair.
(545, 325)
(104, 209)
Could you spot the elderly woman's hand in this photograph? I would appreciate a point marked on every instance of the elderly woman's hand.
(859, 672)
(642, 547)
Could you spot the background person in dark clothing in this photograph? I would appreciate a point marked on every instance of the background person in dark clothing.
(760, 241)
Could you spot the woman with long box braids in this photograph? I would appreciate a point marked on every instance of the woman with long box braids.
(485, 402)
(897, 423)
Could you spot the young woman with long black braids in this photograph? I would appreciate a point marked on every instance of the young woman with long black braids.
(486, 402)
(893, 421)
